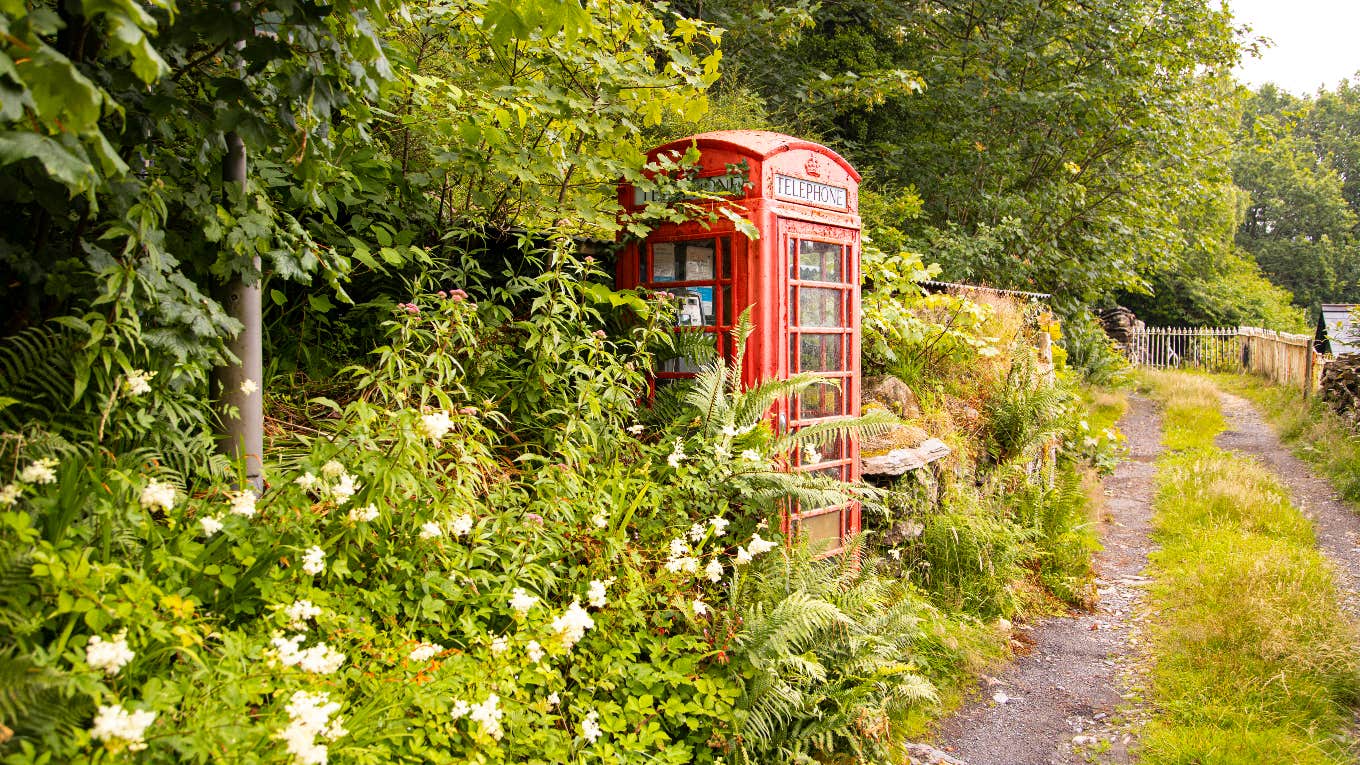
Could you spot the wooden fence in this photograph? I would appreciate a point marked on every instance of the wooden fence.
(1283, 358)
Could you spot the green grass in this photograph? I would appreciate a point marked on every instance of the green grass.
(1191, 417)
(1104, 406)
(1253, 660)
(1315, 433)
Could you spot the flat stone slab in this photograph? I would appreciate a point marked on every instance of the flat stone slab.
(899, 461)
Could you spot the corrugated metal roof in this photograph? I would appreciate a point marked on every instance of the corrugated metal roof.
(1342, 327)
(932, 285)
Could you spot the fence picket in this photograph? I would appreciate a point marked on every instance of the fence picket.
(1287, 359)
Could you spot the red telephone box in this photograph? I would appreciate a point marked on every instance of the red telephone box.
(800, 279)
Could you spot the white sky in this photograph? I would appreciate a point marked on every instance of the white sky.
(1317, 42)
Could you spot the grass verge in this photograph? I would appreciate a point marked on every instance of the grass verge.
(1253, 659)
(1313, 431)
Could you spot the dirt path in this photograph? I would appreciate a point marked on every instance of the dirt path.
(1337, 526)
(1061, 700)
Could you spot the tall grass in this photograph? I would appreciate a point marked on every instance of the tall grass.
(1253, 659)
(1313, 431)
(1191, 417)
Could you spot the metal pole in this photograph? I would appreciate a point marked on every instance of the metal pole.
(239, 387)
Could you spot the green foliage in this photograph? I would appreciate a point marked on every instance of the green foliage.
(1254, 659)
(823, 650)
(1091, 352)
(1036, 169)
(1028, 410)
(1300, 223)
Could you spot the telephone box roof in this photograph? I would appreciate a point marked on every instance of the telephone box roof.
(759, 144)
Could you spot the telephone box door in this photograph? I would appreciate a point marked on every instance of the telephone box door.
(822, 272)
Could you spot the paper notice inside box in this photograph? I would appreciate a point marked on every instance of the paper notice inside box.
(698, 263)
(663, 262)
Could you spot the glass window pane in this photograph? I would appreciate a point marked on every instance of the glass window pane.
(825, 449)
(726, 314)
(696, 307)
(819, 261)
(821, 353)
(691, 261)
(727, 257)
(793, 258)
(820, 307)
(820, 400)
(824, 528)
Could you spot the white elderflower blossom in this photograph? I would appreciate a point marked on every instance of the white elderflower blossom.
(600, 520)
(697, 532)
(460, 709)
(595, 594)
(499, 645)
(301, 612)
(714, 571)
(461, 526)
(157, 494)
(554, 699)
(729, 430)
(248, 387)
(635, 429)
(743, 557)
(10, 494)
(426, 651)
(590, 727)
(363, 514)
(686, 564)
(534, 651)
(433, 426)
(115, 725)
(40, 471)
(488, 715)
(333, 469)
(699, 607)
(110, 656)
(430, 530)
(677, 455)
(679, 547)
(571, 626)
(522, 601)
(314, 560)
(758, 546)
(243, 503)
(345, 488)
(307, 481)
(719, 525)
(138, 382)
(751, 455)
(319, 659)
(309, 717)
(210, 525)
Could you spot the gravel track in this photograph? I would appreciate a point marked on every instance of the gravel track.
(1062, 698)
(1335, 524)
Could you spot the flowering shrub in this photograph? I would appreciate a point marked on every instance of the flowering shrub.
(430, 578)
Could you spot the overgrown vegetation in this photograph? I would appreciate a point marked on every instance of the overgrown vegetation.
(475, 544)
(1254, 660)
(1315, 432)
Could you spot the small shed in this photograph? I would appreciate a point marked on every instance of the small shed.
(1338, 331)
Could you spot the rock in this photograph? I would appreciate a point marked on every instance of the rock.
(921, 754)
(899, 437)
(896, 395)
(899, 461)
